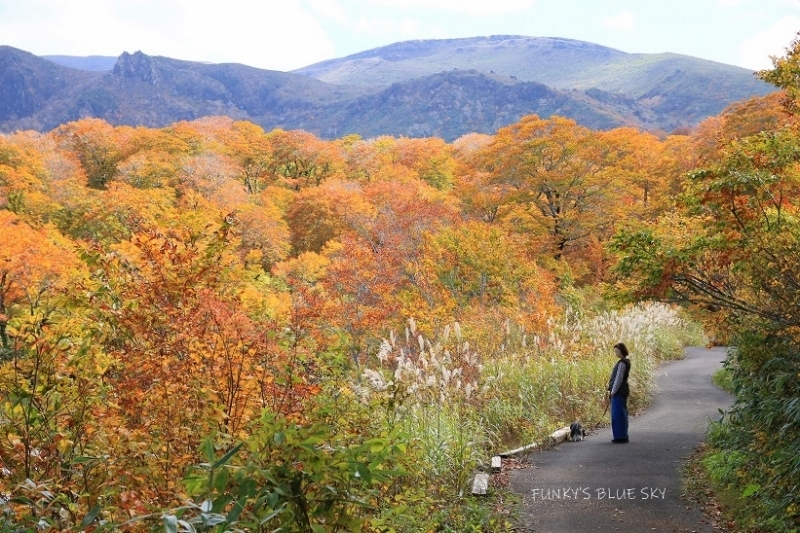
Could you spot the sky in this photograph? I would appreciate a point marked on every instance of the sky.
(289, 34)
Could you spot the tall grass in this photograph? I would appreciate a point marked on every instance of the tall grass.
(462, 406)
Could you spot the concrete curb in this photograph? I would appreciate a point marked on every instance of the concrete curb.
(557, 437)
(480, 483)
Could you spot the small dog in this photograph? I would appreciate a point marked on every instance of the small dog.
(576, 432)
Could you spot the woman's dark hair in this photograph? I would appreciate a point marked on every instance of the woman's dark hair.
(622, 348)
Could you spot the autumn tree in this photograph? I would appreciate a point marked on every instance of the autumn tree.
(99, 146)
(430, 158)
(31, 269)
(734, 247)
(303, 160)
(556, 172)
(245, 144)
(479, 195)
(262, 229)
(378, 256)
(638, 170)
(210, 181)
(678, 157)
(785, 73)
(187, 361)
(482, 277)
(50, 388)
(153, 158)
(467, 146)
(114, 214)
(33, 175)
(320, 214)
(738, 120)
(254, 152)
(376, 160)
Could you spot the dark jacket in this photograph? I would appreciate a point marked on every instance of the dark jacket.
(623, 365)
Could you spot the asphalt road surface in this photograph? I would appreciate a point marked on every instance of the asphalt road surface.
(596, 485)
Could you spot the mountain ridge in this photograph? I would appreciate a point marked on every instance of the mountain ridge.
(445, 87)
(664, 82)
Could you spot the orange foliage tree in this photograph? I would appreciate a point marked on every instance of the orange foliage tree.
(50, 386)
(378, 256)
(320, 214)
(483, 278)
(557, 175)
(430, 158)
(187, 360)
(304, 160)
(100, 147)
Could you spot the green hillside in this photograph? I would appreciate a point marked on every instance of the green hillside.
(668, 81)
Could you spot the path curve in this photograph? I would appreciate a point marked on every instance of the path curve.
(595, 485)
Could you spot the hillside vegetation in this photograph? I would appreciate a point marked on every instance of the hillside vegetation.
(210, 326)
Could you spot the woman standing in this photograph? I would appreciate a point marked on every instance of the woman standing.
(618, 394)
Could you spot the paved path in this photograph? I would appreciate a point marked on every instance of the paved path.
(595, 485)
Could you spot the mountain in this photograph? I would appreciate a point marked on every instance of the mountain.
(671, 89)
(547, 60)
(443, 88)
(455, 102)
(155, 91)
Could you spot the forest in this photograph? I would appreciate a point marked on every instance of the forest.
(212, 327)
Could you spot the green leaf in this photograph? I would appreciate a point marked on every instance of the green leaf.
(220, 503)
(363, 472)
(227, 457)
(170, 524)
(187, 526)
(221, 480)
(269, 517)
(89, 518)
(207, 448)
(750, 489)
(312, 442)
(195, 483)
(236, 510)
(82, 460)
(375, 445)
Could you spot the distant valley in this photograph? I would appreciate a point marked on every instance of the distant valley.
(442, 88)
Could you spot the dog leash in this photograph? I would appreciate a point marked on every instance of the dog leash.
(597, 425)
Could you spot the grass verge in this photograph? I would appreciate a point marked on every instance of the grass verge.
(699, 492)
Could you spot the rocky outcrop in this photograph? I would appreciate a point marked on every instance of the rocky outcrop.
(137, 66)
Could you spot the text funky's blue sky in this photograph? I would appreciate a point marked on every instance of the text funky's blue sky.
(289, 34)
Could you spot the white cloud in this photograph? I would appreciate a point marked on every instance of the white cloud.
(728, 3)
(272, 35)
(256, 34)
(754, 52)
(470, 7)
(624, 21)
